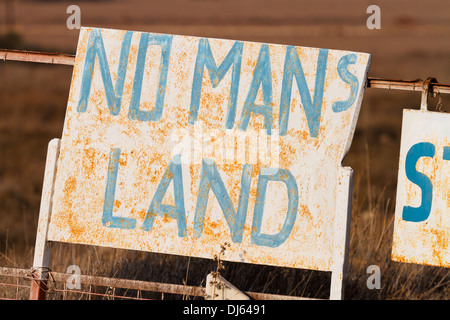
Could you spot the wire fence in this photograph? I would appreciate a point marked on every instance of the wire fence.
(15, 284)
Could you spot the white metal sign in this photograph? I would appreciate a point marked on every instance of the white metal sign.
(180, 144)
(422, 215)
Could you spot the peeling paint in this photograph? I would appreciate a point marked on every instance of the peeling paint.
(422, 219)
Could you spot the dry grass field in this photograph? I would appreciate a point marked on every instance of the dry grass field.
(413, 42)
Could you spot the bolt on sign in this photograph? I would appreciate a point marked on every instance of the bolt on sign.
(422, 219)
(178, 144)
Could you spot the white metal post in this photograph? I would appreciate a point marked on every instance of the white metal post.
(42, 250)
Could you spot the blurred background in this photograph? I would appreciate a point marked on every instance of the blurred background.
(412, 43)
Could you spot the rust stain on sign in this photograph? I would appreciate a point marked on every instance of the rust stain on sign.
(178, 144)
(422, 219)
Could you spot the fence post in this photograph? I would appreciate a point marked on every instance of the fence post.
(42, 250)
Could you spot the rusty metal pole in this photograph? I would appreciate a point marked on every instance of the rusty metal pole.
(38, 290)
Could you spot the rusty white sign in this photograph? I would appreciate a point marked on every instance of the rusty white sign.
(422, 215)
(180, 144)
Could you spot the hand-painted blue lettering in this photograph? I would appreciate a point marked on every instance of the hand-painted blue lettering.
(348, 78)
(446, 153)
(417, 151)
(262, 77)
(205, 59)
(177, 212)
(108, 220)
(210, 179)
(274, 240)
(165, 42)
(313, 109)
(96, 48)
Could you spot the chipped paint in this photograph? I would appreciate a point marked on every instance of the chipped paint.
(422, 220)
(142, 196)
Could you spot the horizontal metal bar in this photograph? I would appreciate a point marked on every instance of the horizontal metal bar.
(39, 57)
(408, 85)
(13, 272)
(68, 59)
(270, 296)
